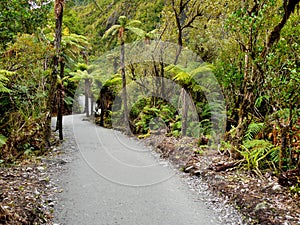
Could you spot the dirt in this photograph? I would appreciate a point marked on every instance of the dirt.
(261, 199)
(27, 190)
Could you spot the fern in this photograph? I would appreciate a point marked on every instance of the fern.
(255, 152)
(115, 80)
(260, 100)
(253, 130)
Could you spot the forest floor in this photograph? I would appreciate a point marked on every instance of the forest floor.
(261, 198)
(27, 190)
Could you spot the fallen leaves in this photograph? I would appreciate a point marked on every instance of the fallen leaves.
(26, 194)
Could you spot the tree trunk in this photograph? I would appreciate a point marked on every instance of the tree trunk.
(124, 91)
(58, 9)
(86, 104)
(242, 113)
(282, 151)
(92, 103)
(184, 112)
(162, 75)
(60, 107)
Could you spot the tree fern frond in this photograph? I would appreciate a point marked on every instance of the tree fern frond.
(134, 23)
(111, 31)
(115, 80)
(183, 77)
(137, 31)
(202, 69)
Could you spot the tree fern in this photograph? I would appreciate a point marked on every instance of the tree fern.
(115, 80)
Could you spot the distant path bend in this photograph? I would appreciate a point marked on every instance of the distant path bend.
(116, 180)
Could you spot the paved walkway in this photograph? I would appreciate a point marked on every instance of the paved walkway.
(116, 180)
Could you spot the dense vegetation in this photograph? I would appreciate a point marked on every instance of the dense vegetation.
(227, 73)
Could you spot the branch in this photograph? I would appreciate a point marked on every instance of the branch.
(183, 5)
(189, 23)
(274, 36)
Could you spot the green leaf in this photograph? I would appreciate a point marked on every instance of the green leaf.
(3, 140)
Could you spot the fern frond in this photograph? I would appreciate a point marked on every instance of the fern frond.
(255, 152)
(115, 80)
(111, 31)
(202, 69)
(253, 130)
(137, 31)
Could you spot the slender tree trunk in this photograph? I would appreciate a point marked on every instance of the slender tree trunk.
(124, 91)
(282, 151)
(184, 112)
(102, 113)
(290, 135)
(162, 74)
(60, 108)
(58, 9)
(178, 52)
(92, 103)
(86, 104)
(242, 114)
(179, 48)
(183, 91)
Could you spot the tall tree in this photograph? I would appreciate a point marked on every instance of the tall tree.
(120, 30)
(82, 73)
(185, 13)
(72, 46)
(58, 11)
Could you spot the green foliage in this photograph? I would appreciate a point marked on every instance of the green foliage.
(253, 130)
(114, 81)
(256, 152)
(28, 83)
(176, 128)
(147, 116)
(124, 27)
(4, 79)
(295, 189)
(187, 76)
(2, 140)
(18, 16)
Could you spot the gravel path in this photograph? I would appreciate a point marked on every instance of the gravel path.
(113, 179)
